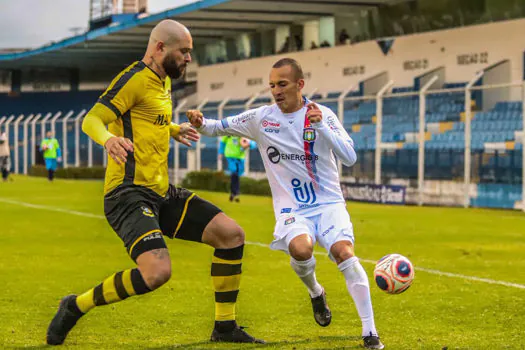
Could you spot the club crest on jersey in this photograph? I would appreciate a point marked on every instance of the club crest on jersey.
(147, 212)
(309, 134)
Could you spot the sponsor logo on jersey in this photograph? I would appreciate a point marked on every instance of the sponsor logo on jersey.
(286, 210)
(289, 221)
(304, 192)
(308, 206)
(309, 134)
(275, 156)
(271, 126)
(331, 123)
(154, 235)
(327, 230)
(147, 212)
(243, 118)
(162, 119)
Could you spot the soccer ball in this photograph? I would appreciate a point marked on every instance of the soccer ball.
(394, 273)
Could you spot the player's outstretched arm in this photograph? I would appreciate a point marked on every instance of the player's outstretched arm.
(208, 127)
(243, 125)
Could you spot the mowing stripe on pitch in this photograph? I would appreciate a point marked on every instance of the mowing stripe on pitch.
(431, 271)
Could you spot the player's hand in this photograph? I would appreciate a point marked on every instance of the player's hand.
(187, 134)
(195, 117)
(314, 114)
(118, 148)
(59, 159)
(245, 143)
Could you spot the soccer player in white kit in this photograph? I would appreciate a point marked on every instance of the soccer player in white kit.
(300, 142)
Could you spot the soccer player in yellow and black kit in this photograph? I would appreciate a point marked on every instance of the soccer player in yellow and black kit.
(139, 203)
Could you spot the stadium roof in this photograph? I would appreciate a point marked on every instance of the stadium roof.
(208, 21)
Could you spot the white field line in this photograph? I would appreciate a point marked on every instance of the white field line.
(431, 271)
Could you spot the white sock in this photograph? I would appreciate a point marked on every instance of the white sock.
(306, 272)
(359, 289)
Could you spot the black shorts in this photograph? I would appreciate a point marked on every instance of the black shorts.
(141, 217)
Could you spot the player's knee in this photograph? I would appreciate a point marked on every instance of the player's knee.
(301, 252)
(155, 267)
(341, 252)
(235, 236)
(224, 233)
(157, 276)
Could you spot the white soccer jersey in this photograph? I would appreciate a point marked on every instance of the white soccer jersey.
(299, 157)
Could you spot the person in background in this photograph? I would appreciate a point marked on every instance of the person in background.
(52, 154)
(233, 148)
(344, 38)
(286, 46)
(5, 159)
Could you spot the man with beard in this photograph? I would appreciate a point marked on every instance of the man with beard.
(139, 203)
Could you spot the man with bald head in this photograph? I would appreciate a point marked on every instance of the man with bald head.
(140, 204)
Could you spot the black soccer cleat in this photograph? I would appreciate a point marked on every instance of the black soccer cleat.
(372, 342)
(322, 313)
(66, 317)
(234, 335)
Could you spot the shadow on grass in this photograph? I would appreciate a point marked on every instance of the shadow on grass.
(294, 344)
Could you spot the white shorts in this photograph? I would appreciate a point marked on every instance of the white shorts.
(332, 224)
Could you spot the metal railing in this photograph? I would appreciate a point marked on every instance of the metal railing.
(423, 130)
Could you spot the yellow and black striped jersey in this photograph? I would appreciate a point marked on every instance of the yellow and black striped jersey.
(141, 102)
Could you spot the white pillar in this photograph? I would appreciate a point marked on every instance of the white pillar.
(243, 45)
(90, 153)
(310, 34)
(281, 33)
(468, 137)
(26, 143)
(341, 116)
(15, 126)
(43, 125)
(33, 138)
(53, 122)
(327, 30)
(77, 137)
(421, 147)
(379, 130)
(64, 139)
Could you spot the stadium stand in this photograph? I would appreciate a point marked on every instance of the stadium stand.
(497, 128)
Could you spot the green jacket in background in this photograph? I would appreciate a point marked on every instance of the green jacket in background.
(231, 147)
(51, 148)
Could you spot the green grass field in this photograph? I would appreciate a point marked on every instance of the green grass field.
(54, 241)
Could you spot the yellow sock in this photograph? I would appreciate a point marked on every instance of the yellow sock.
(115, 288)
(226, 277)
